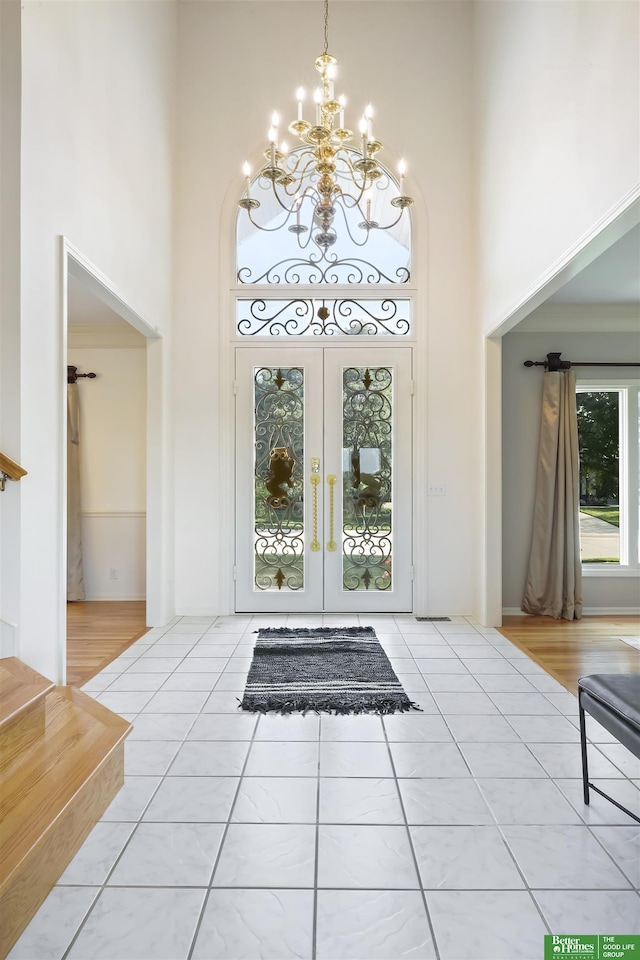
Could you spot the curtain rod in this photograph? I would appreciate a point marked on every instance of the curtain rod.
(73, 375)
(553, 363)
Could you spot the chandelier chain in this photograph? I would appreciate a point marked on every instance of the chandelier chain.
(326, 26)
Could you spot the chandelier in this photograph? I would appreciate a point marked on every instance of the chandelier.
(329, 170)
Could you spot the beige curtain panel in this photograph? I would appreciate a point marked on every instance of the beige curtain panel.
(75, 579)
(554, 581)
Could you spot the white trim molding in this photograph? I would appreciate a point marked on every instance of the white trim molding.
(618, 220)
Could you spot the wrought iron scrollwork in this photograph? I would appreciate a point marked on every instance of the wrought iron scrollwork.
(367, 477)
(300, 317)
(279, 454)
(319, 268)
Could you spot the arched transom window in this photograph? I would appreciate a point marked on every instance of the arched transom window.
(292, 281)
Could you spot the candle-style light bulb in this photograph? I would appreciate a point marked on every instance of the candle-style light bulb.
(362, 126)
(273, 136)
(284, 148)
(300, 98)
(275, 119)
(368, 112)
(402, 169)
(342, 100)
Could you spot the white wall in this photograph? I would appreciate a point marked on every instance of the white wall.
(558, 120)
(9, 319)
(521, 399)
(113, 470)
(97, 127)
(230, 80)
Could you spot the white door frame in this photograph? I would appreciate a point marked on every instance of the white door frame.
(158, 603)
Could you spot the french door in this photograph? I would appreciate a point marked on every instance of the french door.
(323, 479)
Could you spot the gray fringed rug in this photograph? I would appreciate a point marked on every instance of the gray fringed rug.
(339, 670)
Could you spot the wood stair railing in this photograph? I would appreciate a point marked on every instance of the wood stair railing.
(9, 470)
(61, 764)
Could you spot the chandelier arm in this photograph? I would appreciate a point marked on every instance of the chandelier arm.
(390, 225)
(309, 191)
(351, 236)
(294, 170)
(289, 210)
(360, 188)
(301, 245)
(268, 229)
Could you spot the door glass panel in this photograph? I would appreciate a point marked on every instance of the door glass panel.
(367, 427)
(279, 459)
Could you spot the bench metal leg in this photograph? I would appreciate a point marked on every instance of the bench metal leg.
(583, 749)
(585, 773)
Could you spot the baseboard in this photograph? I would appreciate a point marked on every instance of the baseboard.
(586, 612)
(110, 596)
(8, 638)
(611, 611)
(206, 612)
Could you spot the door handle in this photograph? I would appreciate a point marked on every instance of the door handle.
(332, 479)
(315, 544)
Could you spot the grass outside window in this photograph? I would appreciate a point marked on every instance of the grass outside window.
(608, 514)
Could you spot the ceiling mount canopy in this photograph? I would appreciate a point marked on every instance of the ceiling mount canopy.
(329, 171)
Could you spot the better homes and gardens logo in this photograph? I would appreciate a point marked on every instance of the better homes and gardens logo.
(592, 947)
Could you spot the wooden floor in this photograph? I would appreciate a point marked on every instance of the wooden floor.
(570, 649)
(97, 632)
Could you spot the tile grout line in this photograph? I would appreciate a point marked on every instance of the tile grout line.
(314, 922)
(223, 838)
(436, 949)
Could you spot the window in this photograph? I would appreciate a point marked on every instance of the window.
(608, 440)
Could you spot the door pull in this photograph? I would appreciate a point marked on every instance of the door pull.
(332, 479)
(315, 544)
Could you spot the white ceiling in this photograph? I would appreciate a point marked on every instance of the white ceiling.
(91, 323)
(84, 308)
(613, 277)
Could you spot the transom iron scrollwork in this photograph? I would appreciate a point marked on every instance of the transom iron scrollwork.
(279, 455)
(367, 478)
(319, 269)
(314, 317)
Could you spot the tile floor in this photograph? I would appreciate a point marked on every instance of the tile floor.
(457, 833)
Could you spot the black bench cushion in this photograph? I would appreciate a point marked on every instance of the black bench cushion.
(618, 692)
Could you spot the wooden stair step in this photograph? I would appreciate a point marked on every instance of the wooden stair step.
(20, 688)
(22, 693)
(51, 796)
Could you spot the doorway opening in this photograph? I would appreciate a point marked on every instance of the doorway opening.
(107, 466)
